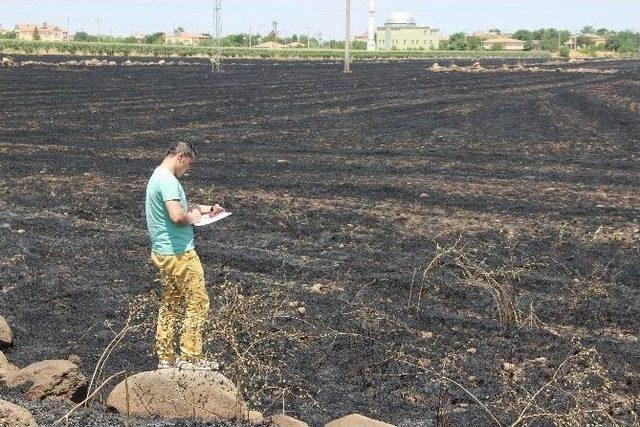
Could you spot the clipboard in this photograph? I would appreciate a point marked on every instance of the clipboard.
(208, 219)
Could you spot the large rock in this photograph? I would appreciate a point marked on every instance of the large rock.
(59, 379)
(286, 421)
(15, 416)
(357, 420)
(5, 366)
(6, 335)
(179, 394)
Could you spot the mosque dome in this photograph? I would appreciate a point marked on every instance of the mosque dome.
(400, 17)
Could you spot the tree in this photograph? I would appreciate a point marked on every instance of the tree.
(524, 35)
(602, 32)
(179, 30)
(359, 45)
(495, 30)
(82, 36)
(587, 29)
(154, 38)
(623, 42)
(585, 41)
(36, 34)
(9, 35)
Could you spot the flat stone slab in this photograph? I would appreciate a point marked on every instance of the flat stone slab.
(179, 394)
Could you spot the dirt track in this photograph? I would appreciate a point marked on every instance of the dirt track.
(346, 181)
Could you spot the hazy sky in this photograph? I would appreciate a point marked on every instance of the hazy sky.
(122, 17)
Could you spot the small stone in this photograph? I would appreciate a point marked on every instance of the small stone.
(6, 335)
(302, 310)
(21, 231)
(426, 335)
(472, 350)
(282, 161)
(317, 288)
(286, 421)
(541, 360)
(294, 304)
(424, 195)
(49, 379)
(357, 420)
(12, 415)
(255, 417)
(509, 367)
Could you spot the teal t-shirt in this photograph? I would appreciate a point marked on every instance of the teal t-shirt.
(166, 237)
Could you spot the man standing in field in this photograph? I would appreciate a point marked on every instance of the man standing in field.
(170, 220)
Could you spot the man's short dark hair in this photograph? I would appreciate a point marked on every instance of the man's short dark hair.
(181, 147)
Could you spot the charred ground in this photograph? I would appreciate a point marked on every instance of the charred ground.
(353, 182)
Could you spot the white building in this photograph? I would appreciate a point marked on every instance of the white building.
(400, 32)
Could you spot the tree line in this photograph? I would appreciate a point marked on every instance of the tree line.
(545, 39)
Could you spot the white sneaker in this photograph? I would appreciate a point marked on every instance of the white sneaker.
(198, 365)
(163, 364)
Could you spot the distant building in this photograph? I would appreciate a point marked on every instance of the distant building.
(187, 39)
(140, 38)
(400, 32)
(484, 35)
(506, 43)
(360, 38)
(45, 32)
(271, 45)
(596, 40)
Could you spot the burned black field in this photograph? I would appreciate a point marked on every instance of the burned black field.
(465, 246)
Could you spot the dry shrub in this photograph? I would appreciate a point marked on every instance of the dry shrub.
(459, 266)
(578, 392)
(253, 336)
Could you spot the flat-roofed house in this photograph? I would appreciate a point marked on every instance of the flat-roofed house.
(400, 32)
(505, 43)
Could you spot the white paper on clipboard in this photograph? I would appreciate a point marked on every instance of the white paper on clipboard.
(208, 219)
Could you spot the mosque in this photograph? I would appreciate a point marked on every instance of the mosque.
(400, 32)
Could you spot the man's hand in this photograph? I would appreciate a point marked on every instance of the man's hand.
(216, 209)
(211, 210)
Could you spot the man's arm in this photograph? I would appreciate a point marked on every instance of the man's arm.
(179, 216)
(206, 209)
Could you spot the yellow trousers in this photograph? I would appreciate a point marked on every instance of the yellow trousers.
(185, 302)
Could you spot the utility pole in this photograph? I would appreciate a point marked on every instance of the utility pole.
(308, 38)
(98, 27)
(216, 50)
(250, 31)
(347, 40)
